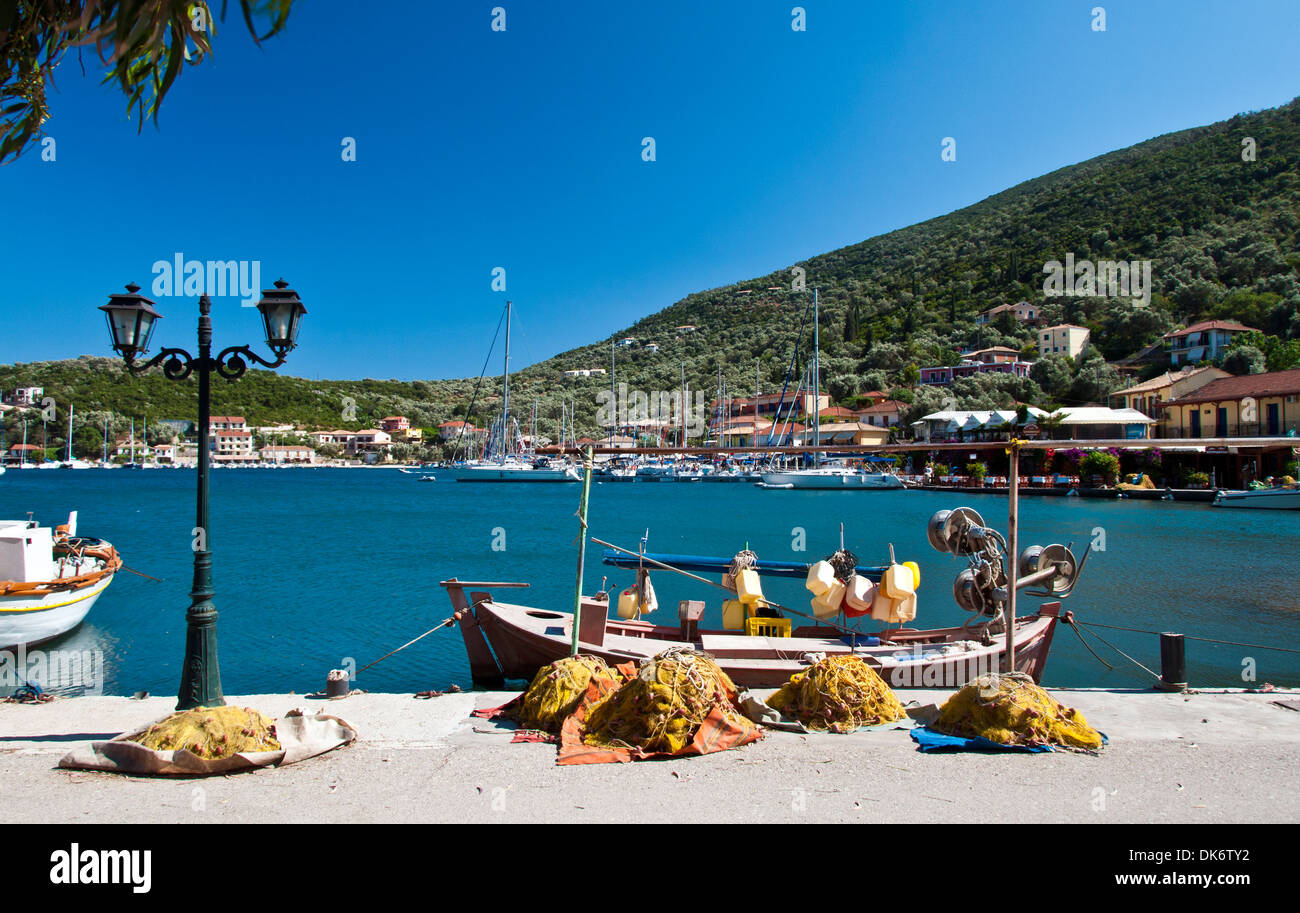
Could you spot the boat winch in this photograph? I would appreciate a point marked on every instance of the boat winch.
(1049, 571)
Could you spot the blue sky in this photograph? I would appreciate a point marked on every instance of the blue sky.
(522, 149)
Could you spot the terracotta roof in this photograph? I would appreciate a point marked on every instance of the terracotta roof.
(888, 405)
(1271, 383)
(1169, 378)
(1211, 325)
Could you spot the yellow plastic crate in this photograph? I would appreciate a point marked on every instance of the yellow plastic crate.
(767, 627)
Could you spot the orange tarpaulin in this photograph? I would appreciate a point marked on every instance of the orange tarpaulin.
(716, 733)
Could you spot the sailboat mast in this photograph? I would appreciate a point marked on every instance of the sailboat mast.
(613, 402)
(505, 389)
(72, 408)
(684, 405)
(817, 383)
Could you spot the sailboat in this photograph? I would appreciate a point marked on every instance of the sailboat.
(104, 461)
(145, 464)
(506, 464)
(832, 475)
(69, 462)
(22, 460)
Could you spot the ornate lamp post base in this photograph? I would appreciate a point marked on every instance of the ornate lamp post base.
(201, 677)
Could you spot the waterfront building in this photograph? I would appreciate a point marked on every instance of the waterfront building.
(296, 454)
(1253, 405)
(1147, 396)
(957, 425)
(231, 445)
(1101, 423)
(226, 423)
(847, 433)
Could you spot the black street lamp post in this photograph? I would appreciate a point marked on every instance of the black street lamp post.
(131, 319)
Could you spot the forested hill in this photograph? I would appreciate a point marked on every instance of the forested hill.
(1221, 234)
(1219, 227)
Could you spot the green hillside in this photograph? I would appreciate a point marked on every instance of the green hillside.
(1221, 234)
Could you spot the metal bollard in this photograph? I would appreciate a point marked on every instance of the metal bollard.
(337, 684)
(1173, 662)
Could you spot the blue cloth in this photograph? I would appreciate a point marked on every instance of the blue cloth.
(927, 739)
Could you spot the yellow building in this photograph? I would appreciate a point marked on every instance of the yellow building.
(1148, 396)
(1253, 405)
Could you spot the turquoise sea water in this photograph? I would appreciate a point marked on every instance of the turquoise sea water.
(313, 566)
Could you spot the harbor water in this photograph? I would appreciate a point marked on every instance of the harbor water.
(318, 569)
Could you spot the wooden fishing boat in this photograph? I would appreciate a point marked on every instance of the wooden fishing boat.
(506, 640)
(49, 579)
(512, 641)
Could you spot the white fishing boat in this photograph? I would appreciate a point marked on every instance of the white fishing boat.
(49, 579)
(1280, 498)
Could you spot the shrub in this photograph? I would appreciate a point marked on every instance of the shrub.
(1100, 463)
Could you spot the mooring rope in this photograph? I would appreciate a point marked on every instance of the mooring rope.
(1207, 640)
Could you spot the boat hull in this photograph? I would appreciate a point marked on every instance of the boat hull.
(1261, 499)
(855, 481)
(506, 474)
(509, 641)
(36, 619)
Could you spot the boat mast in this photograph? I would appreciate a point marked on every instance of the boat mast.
(104, 459)
(505, 391)
(685, 406)
(817, 383)
(613, 402)
(72, 408)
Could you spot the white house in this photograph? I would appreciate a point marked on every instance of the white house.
(1063, 339)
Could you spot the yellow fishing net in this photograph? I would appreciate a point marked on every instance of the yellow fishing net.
(1011, 710)
(1136, 483)
(557, 689)
(212, 733)
(662, 708)
(839, 694)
